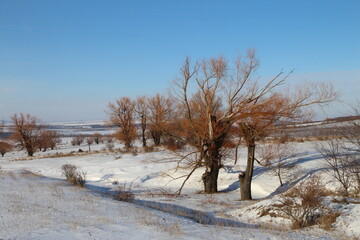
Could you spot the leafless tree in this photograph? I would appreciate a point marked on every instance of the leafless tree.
(48, 139)
(338, 162)
(208, 115)
(98, 138)
(224, 96)
(89, 141)
(160, 112)
(269, 109)
(276, 157)
(142, 112)
(5, 147)
(77, 140)
(27, 131)
(122, 115)
(342, 156)
(109, 138)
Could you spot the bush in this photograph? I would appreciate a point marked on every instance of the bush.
(303, 205)
(123, 193)
(172, 144)
(110, 146)
(5, 147)
(149, 149)
(77, 140)
(73, 175)
(326, 220)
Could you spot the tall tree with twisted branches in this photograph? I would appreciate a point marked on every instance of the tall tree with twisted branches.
(212, 97)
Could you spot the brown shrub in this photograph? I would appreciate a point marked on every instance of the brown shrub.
(73, 175)
(303, 204)
(5, 147)
(149, 149)
(172, 144)
(123, 193)
(326, 220)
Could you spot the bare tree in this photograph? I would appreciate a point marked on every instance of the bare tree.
(160, 110)
(89, 141)
(276, 157)
(122, 115)
(224, 96)
(342, 156)
(207, 115)
(77, 140)
(48, 139)
(338, 163)
(27, 131)
(98, 138)
(109, 140)
(5, 147)
(141, 110)
(270, 108)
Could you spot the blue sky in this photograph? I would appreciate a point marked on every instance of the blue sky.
(65, 60)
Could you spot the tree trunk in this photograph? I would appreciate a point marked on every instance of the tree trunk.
(280, 180)
(143, 138)
(156, 137)
(127, 144)
(246, 177)
(212, 163)
(237, 150)
(143, 130)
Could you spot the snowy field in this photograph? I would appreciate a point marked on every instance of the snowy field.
(37, 203)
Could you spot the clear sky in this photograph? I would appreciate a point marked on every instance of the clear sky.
(65, 60)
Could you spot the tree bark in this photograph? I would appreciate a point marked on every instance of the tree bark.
(127, 144)
(143, 138)
(143, 130)
(156, 137)
(212, 163)
(246, 177)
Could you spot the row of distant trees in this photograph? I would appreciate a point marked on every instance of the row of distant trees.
(30, 135)
(213, 104)
(97, 138)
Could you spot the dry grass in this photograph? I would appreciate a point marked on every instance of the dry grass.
(326, 220)
(123, 193)
(147, 218)
(161, 192)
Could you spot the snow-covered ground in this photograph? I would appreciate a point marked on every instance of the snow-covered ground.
(47, 207)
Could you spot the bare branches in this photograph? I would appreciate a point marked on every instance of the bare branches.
(142, 112)
(161, 110)
(121, 115)
(27, 130)
(343, 166)
(276, 157)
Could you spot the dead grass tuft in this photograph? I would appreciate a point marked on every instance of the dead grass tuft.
(123, 193)
(74, 175)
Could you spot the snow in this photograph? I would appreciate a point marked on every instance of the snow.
(38, 204)
(36, 207)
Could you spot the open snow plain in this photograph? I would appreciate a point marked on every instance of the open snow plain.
(37, 203)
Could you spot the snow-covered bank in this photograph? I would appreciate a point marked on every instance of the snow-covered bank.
(34, 207)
